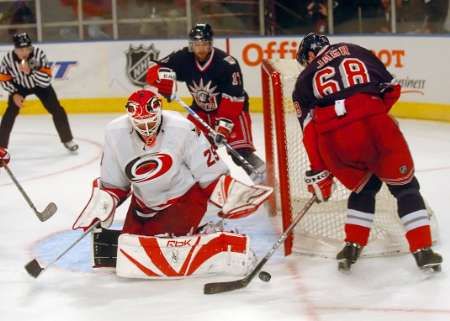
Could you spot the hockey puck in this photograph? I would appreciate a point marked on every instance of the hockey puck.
(264, 276)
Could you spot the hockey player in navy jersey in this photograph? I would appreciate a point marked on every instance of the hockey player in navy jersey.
(215, 82)
(343, 97)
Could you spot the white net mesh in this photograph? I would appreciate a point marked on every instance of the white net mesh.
(321, 231)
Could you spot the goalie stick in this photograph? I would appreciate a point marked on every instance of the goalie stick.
(232, 151)
(49, 210)
(35, 269)
(219, 287)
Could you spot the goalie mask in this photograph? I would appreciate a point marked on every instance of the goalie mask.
(312, 42)
(144, 109)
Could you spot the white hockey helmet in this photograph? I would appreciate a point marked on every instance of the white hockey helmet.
(144, 108)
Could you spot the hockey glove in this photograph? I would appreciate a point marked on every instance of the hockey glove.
(319, 183)
(223, 128)
(100, 208)
(237, 199)
(163, 78)
(4, 156)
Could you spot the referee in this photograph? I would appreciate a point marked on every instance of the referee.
(25, 71)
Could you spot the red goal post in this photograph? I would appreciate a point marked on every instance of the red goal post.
(321, 231)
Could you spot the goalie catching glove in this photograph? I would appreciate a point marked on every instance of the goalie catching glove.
(165, 79)
(100, 208)
(237, 199)
(319, 183)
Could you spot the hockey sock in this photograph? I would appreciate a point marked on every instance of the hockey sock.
(413, 214)
(360, 213)
(419, 238)
(356, 234)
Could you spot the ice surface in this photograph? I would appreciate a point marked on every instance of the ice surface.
(302, 288)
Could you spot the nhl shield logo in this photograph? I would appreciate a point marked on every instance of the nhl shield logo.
(138, 60)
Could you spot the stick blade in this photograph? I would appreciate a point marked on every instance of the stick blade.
(220, 287)
(47, 212)
(34, 268)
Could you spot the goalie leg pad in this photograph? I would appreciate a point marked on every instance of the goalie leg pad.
(151, 257)
(104, 247)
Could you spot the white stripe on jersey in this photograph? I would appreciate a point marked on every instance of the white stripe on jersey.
(36, 78)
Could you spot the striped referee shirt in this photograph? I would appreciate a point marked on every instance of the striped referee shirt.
(11, 77)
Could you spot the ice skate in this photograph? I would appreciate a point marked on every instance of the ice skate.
(428, 260)
(348, 256)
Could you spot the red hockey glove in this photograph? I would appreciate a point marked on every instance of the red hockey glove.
(162, 78)
(223, 128)
(4, 156)
(320, 183)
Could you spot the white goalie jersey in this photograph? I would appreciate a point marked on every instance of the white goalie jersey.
(158, 175)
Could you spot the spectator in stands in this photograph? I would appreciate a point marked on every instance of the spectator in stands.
(435, 15)
(422, 16)
(95, 10)
(318, 13)
(18, 12)
(385, 7)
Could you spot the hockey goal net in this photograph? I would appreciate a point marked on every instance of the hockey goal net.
(321, 231)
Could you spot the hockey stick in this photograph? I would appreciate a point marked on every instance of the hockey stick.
(49, 210)
(35, 269)
(249, 167)
(219, 287)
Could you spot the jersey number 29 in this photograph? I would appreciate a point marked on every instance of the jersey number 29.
(211, 155)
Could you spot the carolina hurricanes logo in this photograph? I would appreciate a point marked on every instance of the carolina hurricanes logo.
(147, 167)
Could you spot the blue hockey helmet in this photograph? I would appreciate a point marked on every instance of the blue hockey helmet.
(201, 31)
(311, 42)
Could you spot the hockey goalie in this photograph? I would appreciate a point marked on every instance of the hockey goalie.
(171, 172)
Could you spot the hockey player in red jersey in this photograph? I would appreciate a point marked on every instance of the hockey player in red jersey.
(171, 172)
(343, 97)
(215, 82)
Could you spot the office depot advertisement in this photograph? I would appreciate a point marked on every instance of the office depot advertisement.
(98, 76)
